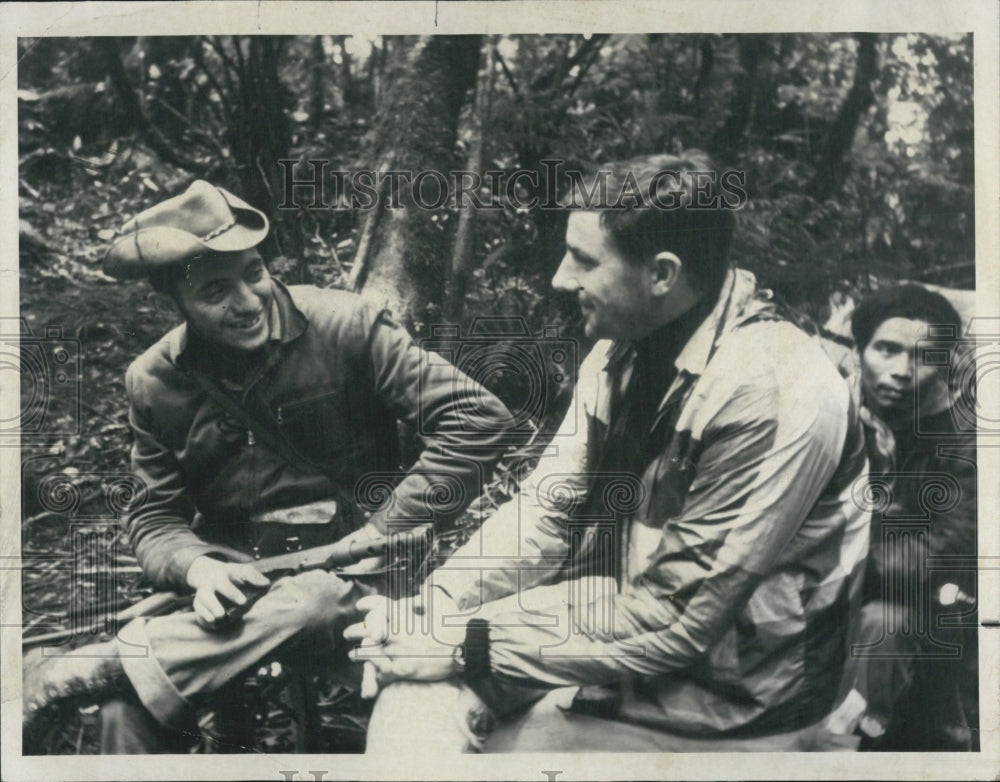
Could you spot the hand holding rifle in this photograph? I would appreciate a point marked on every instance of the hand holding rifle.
(220, 585)
(212, 579)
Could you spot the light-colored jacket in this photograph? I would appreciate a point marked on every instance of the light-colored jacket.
(739, 549)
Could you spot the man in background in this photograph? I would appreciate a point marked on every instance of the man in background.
(916, 659)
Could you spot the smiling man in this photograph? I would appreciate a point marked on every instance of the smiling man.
(681, 572)
(264, 413)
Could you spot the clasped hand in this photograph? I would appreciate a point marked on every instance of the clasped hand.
(211, 577)
(414, 639)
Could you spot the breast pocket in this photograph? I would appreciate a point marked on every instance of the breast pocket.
(316, 424)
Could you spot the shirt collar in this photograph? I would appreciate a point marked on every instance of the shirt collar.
(287, 323)
(739, 301)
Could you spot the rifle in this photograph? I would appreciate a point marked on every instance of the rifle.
(332, 557)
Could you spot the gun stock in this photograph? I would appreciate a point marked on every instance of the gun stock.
(332, 557)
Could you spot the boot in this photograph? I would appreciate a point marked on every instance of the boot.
(51, 681)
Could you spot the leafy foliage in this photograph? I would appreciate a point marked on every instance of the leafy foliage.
(109, 126)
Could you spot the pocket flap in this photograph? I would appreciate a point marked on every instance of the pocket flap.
(319, 512)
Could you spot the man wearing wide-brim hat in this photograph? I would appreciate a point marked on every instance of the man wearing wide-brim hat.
(263, 399)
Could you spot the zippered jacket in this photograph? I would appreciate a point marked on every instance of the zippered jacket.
(339, 376)
(737, 552)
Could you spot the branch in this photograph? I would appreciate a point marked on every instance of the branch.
(506, 71)
(830, 172)
(136, 107)
(584, 68)
(555, 76)
(228, 67)
(216, 43)
(212, 82)
(239, 53)
(205, 136)
(362, 256)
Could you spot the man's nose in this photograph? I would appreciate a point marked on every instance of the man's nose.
(902, 368)
(564, 279)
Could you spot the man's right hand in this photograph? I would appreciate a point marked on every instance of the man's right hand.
(211, 577)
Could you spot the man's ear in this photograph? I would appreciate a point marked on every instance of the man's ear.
(666, 269)
(164, 304)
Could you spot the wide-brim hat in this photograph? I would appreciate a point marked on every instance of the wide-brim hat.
(203, 218)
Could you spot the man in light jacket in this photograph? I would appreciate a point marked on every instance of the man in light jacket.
(682, 569)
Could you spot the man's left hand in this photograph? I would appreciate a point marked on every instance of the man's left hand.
(420, 648)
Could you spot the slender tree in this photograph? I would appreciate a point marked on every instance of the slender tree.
(399, 262)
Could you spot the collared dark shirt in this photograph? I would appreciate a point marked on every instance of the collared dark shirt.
(631, 442)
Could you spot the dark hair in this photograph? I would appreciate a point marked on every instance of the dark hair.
(913, 302)
(663, 209)
(166, 279)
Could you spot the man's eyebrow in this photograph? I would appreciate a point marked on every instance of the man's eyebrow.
(894, 343)
(212, 281)
(580, 254)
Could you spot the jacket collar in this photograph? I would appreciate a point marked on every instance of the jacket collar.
(286, 321)
(739, 300)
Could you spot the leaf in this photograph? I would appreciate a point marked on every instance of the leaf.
(106, 234)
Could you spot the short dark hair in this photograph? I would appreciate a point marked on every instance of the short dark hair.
(166, 279)
(913, 302)
(699, 236)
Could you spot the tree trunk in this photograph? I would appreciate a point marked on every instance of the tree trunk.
(401, 262)
(706, 63)
(830, 170)
(259, 132)
(318, 74)
(731, 136)
(463, 253)
(346, 92)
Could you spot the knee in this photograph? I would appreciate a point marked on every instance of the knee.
(397, 711)
(443, 717)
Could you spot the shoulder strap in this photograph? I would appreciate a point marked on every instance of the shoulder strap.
(263, 431)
